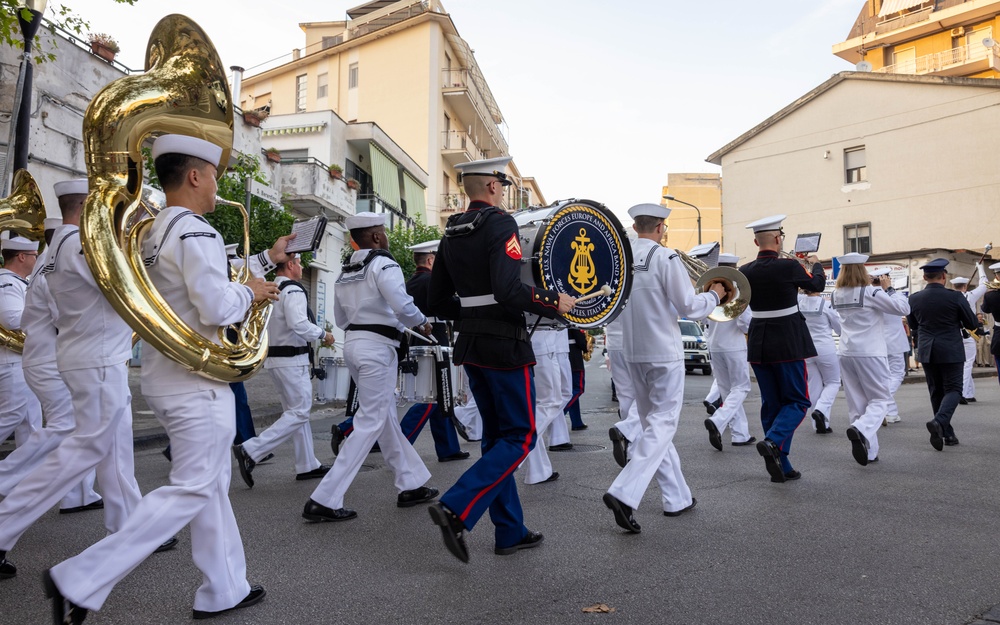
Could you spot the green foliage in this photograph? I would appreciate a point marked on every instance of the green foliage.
(59, 14)
(401, 237)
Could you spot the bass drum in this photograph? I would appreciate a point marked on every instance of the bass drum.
(576, 247)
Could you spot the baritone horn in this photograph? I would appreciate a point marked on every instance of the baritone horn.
(184, 91)
(737, 287)
(22, 213)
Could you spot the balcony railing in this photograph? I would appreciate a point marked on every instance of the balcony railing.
(485, 107)
(390, 15)
(940, 61)
(460, 141)
(453, 202)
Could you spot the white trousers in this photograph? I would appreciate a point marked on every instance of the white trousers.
(659, 394)
(867, 391)
(823, 372)
(295, 391)
(714, 394)
(20, 412)
(968, 386)
(57, 406)
(732, 374)
(201, 427)
(469, 415)
(897, 371)
(558, 432)
(373, 366)
(629, 424)
(548, 409)
(102, 439)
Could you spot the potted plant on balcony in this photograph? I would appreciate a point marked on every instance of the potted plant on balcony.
(353, 184)
(336, 171)
(104, 46)
(273, 155)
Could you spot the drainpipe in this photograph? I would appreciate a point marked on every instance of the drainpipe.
(237, 84)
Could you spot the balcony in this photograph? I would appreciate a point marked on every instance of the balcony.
(453, 202)
(458, 147)
(386, 14)
(309, 189)
(464, 90)
(960, 61)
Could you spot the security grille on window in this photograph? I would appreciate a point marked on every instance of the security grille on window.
(352, 76)
(858, 238)
(321, 86)
(301, 85)
(854, 165)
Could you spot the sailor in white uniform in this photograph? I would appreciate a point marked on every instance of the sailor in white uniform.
(654, 355)
(545, 342)
(823, 369)
(186, 261)
(20, 412)
(373, 307)
(42, 376)
(896, 345)
(961, 285)
(628, 428)
(863, 364)
(558, 432)
(727, 344)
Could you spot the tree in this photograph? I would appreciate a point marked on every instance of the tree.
(401, 237)
(10, 30)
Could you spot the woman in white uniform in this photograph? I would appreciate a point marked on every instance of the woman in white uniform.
(897, 344)
(863, 363)
(823, 370)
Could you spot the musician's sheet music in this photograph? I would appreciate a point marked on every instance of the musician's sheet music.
(308, 234)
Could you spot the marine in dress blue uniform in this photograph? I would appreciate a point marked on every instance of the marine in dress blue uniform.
(480, 260)
(779, 342)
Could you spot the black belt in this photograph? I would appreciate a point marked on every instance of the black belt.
(286, 351)
(492, 328)
(388, 332)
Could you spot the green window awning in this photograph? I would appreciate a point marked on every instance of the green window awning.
(414, 193)
(385, 176)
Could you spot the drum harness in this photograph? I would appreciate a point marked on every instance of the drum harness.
(288, 351)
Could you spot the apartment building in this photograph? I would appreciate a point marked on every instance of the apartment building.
(696, 210)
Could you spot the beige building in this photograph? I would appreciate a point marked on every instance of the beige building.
(404, 66)
(688, 225)
(899, 166)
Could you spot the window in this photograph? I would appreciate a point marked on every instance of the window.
(858, 238)
(352, 76)
(321, 86)
(329, 42)
(855, 169)
(301, 84)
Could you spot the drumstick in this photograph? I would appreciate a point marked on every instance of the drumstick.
(605, 290)
(429, 339)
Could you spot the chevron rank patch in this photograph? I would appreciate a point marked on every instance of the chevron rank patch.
(514, 247)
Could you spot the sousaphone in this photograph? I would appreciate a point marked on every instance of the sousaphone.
(22, 213)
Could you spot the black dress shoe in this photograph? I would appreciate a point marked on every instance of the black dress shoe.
(790, 476)
(316, 473)
(94, 505)
(971, 400)
(317, 512)
(7, 568)
(417, 496)
(256, 594)
(460, 428)
(267, 458)
(64, 611)
(963, 401)
(530, 540)
(749, 441)
(452, 530)
(709, 407)
(820, 419)
(772, 457)
(826, 430)
(336, 438)
(578, 428)
(937, 435)
(166, 454)
(623, 514)
(614, 397)
(561, 447)
(873, 460)
(694, 502)
(714, 436)
(460, 455)
(950, 441)
(376, 449)
(551, 478)
(167, 545)
(859, 445)
(245, 464)
(619, 446)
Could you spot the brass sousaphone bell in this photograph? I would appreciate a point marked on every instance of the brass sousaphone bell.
(22, 213)
(736, 284)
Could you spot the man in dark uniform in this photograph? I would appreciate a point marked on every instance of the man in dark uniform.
(937, 316)
(480, 260)
(779, 342)
(577, 348)
(991, 305)
(442, 428)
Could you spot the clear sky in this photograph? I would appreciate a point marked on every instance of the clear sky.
(602, 99)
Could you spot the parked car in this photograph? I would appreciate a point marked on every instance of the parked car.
(695, 347)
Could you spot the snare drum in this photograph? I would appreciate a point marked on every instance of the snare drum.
(459, 385)
(576, 247)
(420, 387)
(338, 380)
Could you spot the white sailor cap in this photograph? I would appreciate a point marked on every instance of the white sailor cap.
(650, 210)
(881, 271)
(51, 223)
(191, 146)
(959, 280)
(427, 247)
(364, 220)
(702, 249)
(77, 186)
(995, 266)
(728, 259)
(768, 223)
(231, 249)
(19, 244)
(852, 259)
(489, 167)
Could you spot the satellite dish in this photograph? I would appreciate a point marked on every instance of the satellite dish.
(863, 66)
(989, 42)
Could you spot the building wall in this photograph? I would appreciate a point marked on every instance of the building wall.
(705, 192)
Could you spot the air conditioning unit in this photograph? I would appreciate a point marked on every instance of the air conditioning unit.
(958, 32)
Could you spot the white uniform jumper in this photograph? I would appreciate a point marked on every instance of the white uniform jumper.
(548, 401)
(823, 370)
(92, 352)
(42, 377)
(20, 413)
(628, 413)
(727, 344)
(290, 327)
(186, 261)
(654, 355)
(896, 344)
(373, 295)
(862, 351)
(969, 343)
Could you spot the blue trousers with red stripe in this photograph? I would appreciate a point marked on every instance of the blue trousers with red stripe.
(784, 401)
(573, 407)
(442, 429)
(506, 402)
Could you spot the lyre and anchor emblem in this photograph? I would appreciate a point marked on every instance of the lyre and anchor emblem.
(582, 275)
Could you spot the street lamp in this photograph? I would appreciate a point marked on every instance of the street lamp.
(17, 141)
(672, 198)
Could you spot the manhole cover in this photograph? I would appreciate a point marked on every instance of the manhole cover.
(582, 448)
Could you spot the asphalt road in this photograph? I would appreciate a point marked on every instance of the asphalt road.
(909, 540)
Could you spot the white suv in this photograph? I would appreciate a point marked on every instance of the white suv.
(695, 347)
